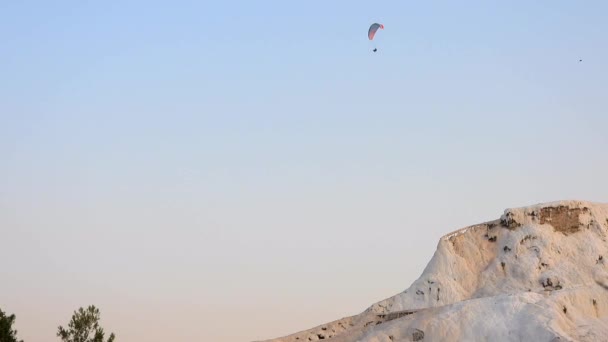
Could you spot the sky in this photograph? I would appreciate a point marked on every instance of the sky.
(239, 170)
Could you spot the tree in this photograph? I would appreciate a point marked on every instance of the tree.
(7, 334)
(84, 327)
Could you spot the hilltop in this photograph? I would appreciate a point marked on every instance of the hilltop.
(537, 273)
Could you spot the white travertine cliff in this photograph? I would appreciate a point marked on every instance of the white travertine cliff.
(538, 273)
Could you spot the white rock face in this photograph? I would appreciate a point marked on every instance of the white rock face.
(537, 274)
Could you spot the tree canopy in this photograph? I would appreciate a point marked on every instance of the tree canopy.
(84, 327)
(7, 334)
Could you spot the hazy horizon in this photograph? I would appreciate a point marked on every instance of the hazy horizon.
(182, 165)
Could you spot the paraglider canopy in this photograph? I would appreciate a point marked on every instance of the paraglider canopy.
(373, 29)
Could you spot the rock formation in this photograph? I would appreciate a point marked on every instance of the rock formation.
(536, 274)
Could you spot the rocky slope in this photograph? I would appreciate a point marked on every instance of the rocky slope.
(536, 274)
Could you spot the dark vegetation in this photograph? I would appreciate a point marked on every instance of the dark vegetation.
(7, 334)
(83, 327)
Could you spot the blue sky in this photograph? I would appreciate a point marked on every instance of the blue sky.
(256, 157)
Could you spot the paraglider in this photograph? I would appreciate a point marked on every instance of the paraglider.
(371, 33)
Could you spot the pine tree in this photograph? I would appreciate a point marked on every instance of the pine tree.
(7, 334)
(84, 327)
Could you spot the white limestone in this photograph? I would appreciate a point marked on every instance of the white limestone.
(538, 273)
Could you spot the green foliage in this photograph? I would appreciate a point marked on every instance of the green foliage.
(84, 327)
(7, 334)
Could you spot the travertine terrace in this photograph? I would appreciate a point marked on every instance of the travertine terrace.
(537, 273)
